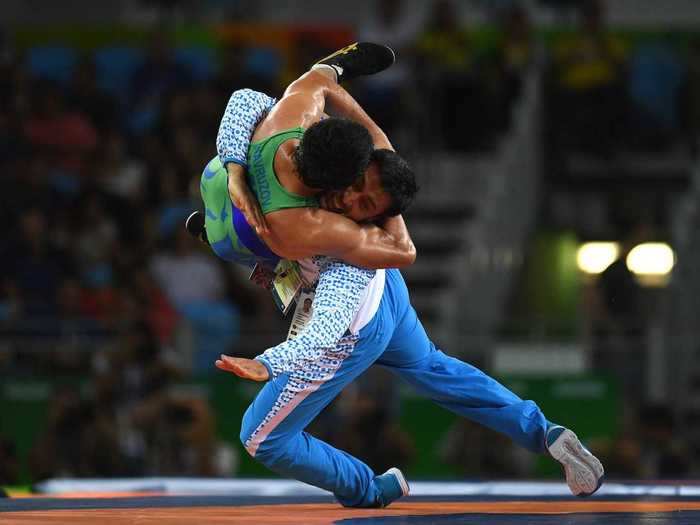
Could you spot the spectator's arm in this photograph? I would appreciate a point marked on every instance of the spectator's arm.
(245, 109)
(338, 295)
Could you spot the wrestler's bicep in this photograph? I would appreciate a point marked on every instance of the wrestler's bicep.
(305, 232)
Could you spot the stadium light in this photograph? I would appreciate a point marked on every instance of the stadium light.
(595, 257)
(651, 258)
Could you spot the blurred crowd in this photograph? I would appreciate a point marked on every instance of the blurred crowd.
(99, 278)
(609, 92)
(100, 160)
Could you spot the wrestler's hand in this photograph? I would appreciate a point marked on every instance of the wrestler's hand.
(244, 200)
(245, 368)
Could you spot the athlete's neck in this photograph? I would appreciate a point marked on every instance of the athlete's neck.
(287, 172)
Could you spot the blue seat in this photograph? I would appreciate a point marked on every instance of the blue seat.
(655, 78)
(264, 62)
(115, 66)
(52, 62)
(201, 61)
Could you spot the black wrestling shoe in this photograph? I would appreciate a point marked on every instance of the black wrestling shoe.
(360, 58)
(194, 224)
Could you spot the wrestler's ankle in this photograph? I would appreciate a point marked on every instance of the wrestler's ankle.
(326, 70)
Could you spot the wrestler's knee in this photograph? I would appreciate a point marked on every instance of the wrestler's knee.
(244, 436)
(273, 454)
(267, 451)
(248, 426)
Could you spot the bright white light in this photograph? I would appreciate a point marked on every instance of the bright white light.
(651, 258)
(595, 257)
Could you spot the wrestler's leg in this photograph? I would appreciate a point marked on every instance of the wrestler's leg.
(273, 426)
(469, 392)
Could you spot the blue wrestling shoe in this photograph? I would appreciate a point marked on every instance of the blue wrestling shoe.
(358, 59)
(584, 473)
(392, 485)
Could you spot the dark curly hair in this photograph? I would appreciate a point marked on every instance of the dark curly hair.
(333, 153)
(397, 180)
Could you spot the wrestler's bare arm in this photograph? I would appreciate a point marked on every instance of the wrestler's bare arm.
(304, 103)
(304, 232)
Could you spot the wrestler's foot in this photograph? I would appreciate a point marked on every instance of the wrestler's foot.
(360, 58)
(584, 473)
(194, 224)
(392, 485)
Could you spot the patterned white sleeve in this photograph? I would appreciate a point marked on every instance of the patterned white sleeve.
(244, 110)
(338, 296)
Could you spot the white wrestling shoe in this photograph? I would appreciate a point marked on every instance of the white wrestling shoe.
(584, 473)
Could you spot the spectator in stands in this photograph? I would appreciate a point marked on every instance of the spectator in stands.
(10, 127)
(121, 174)
(590, 77)
(7, 52)
(502, 66)
(131, 379)
(518, 49)
(68, 136)
(57, 450)
(76, 333)
(235, 74)
(447, 60)
(181, 437)
(207, 113)
(14, 92)
(175, 203)
(196, 285)
(9, 300)
(38, 265)
(664, 455)
(656, 78)
(384, 96)
(78, 441)
(84, 95)
(153, 80)
(158, 312)
(96, 242)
